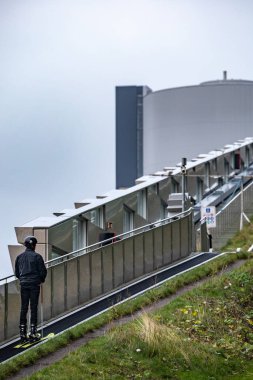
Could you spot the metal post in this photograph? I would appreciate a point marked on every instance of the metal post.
(183, 172)
(243, 215)
(6, 301)
(41, 309)
(65, 286)
(241, 218)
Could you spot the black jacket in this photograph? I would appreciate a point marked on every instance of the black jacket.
(30, 268)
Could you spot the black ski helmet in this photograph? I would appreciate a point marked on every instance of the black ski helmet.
(30, 241)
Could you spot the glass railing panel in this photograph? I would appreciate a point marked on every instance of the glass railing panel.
(176, 240)
(107, 267)
(167, 243)
(58, 289)
(118, 263)
(2, 311)
(138, 255)
(72, 283)
(84, 278)
(128, 259)
(13, 308)
(158, 248)
(96, 273)
(47, 297)
(148, 251)
(185, 237)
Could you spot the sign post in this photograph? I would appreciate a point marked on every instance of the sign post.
(209, 215)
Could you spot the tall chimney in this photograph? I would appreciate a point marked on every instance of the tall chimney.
(224, 75)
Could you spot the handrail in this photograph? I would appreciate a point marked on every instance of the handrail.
(94, 246)
(6, 278)
(132, 232)
(120, 236)
(236, 196)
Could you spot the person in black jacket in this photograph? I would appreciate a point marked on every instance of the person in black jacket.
(31, 271)
(107, 234)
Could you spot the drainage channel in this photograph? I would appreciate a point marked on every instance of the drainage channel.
(76, 317)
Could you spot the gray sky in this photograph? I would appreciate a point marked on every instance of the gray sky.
(60, 61)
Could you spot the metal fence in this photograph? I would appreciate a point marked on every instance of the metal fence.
(230, 218)
(83, 275)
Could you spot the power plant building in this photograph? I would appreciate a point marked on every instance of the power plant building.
(176, 215)
(155, 129)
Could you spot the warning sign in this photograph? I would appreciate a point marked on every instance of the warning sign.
(209, 213)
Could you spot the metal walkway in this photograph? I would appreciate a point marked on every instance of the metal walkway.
(76, 317)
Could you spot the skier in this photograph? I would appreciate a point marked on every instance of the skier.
(31, 271)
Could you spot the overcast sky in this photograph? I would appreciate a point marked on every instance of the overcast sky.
(60, 61)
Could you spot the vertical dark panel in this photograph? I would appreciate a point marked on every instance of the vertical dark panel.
(12, 308)
(59, 289)
(148, 251)
(158, 248)
(85, 277)
(129, 135)
(138, 255)
(184, 237)
(96, 273)
(72, 283)
(176, 240)
(47, 296)
(118, 263)
(128, 259)
(107, 275)
(167, 243)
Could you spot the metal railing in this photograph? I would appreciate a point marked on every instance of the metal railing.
(88, 273)
(229, 220)
(136, 231)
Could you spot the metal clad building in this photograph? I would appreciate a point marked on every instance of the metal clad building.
(185, 121)
(129, 134)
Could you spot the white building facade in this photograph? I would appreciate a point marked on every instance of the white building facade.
(183, 122)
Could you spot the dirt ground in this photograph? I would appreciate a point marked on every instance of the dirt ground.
(61, 353)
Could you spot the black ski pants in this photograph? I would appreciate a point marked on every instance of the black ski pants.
(29, 294)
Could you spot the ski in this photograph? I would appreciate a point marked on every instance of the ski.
(29, 344)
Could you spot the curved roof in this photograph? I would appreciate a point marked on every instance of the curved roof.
(226, 81)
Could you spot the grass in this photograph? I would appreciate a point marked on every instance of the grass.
(159, 338)
(243, 239)
(205, 334)
(173, 343)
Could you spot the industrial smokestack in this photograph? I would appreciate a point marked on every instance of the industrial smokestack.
(224, 75)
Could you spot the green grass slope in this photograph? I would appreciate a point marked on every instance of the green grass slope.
(205, 334)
